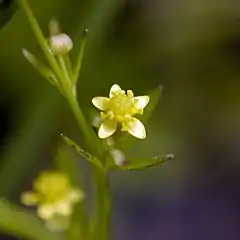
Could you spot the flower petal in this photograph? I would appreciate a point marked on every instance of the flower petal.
(107, 128)
(46, 211)
(97, 121)
(136, 128)
(75, 195)
(141, 101)
(101, 102)
(64, 208)
(115, 89)
(58, 223)
(29, 198)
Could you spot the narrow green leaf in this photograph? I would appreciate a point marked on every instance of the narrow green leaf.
(139, 164)
(43, 70)
(78, 66)
(41, 39)
(125, 141)
(90, 158)
(155, 95)
(16, 222)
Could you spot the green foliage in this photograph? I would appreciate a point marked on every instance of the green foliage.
(15, 221)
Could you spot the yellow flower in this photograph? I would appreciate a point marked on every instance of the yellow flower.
(52, 195)
(120, 108)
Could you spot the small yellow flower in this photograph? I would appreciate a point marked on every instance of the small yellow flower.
(120, 108)
(53, 196)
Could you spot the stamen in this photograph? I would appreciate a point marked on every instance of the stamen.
(130, 93)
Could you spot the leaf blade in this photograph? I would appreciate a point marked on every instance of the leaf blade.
(42, 69)
(139, 164)
(90, 158)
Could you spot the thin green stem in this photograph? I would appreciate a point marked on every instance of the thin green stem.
(65, 86)
(90, 138)
(101, 221)
(66, 73)
(68, 63)
(41, 39)
(79, 218)
(102, 198)
(63, 66)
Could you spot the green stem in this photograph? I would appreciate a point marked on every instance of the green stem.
(41, 39)
(89, 136)
(64, 68)
(101, 222)
(79, 218)
(66, 75)
(67, 88)
(68, 63)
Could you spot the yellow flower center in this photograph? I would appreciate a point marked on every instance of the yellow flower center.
(121, 106)
(51, 187)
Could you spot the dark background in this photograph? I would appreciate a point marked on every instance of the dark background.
(192, 47)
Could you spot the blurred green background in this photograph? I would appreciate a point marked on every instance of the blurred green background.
(192, 47)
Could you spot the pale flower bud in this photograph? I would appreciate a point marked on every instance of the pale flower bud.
(97, 121)
(54, 27)
(110, 142)
(60, 44)
(118, 157)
